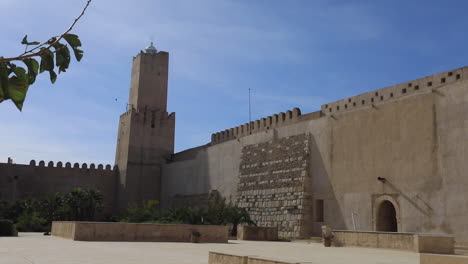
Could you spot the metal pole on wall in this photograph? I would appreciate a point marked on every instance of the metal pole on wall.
(354, 221)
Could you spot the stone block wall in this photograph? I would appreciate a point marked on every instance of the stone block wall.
(274, 184)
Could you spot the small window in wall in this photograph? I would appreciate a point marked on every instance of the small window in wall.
(319, 210)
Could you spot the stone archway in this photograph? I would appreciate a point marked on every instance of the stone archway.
(387, 214)
(386, 217)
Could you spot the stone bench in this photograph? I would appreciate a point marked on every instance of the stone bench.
(257, 233)
(422, 243)
(108, 231)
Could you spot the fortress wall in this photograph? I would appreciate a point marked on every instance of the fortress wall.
(415, 141)
(221, 166)
(449, 196)
(19, 181)
(418, 144)
(393, 92)
(264, 124)
(394, 141)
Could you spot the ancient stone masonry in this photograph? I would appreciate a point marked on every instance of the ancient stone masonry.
(273, 184)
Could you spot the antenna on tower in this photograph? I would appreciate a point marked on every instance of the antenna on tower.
(250, 111)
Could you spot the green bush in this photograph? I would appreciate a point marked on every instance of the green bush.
(36, 215)
(7, 228)
(149, 212)
(31, 223)
(215, 212)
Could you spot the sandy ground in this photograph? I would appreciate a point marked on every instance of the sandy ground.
(38, 249)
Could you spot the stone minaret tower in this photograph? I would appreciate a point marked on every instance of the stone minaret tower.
(146, 131)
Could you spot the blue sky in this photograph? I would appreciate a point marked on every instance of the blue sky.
(291, 53)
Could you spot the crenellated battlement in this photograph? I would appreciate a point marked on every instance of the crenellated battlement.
(148, 116)
(369, 99)
(263, 124)
(68, 165)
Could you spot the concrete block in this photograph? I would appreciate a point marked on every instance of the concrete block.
(442, 259)
(423, 243)
(224, 258)
(257, 233)
(102, 231)
(435, 243)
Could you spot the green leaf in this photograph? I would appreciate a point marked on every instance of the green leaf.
(62, 57)
(51, 40)
(53, 76)
(33, 69)
(25, 41)
(18, 86)
(3, 81)
(47, 64)
(74, 42)
(2, 94)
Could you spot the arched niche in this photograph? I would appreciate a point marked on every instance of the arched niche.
(386, 215)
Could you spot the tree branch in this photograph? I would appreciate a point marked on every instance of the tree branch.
(25, 55)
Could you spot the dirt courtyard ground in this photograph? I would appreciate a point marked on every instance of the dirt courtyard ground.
(38, 249)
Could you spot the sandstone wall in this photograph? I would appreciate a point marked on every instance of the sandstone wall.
(18, 181)
(414, 135)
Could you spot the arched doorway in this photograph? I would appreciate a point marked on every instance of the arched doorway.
(386, 217)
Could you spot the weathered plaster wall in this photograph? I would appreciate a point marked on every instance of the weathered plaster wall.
(447, 193)
(18, 181)
(414, 135)
(213, 168)
(392, 140)
(417, 143)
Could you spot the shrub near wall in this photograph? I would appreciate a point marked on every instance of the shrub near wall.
(7, 228)
(36, 215)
